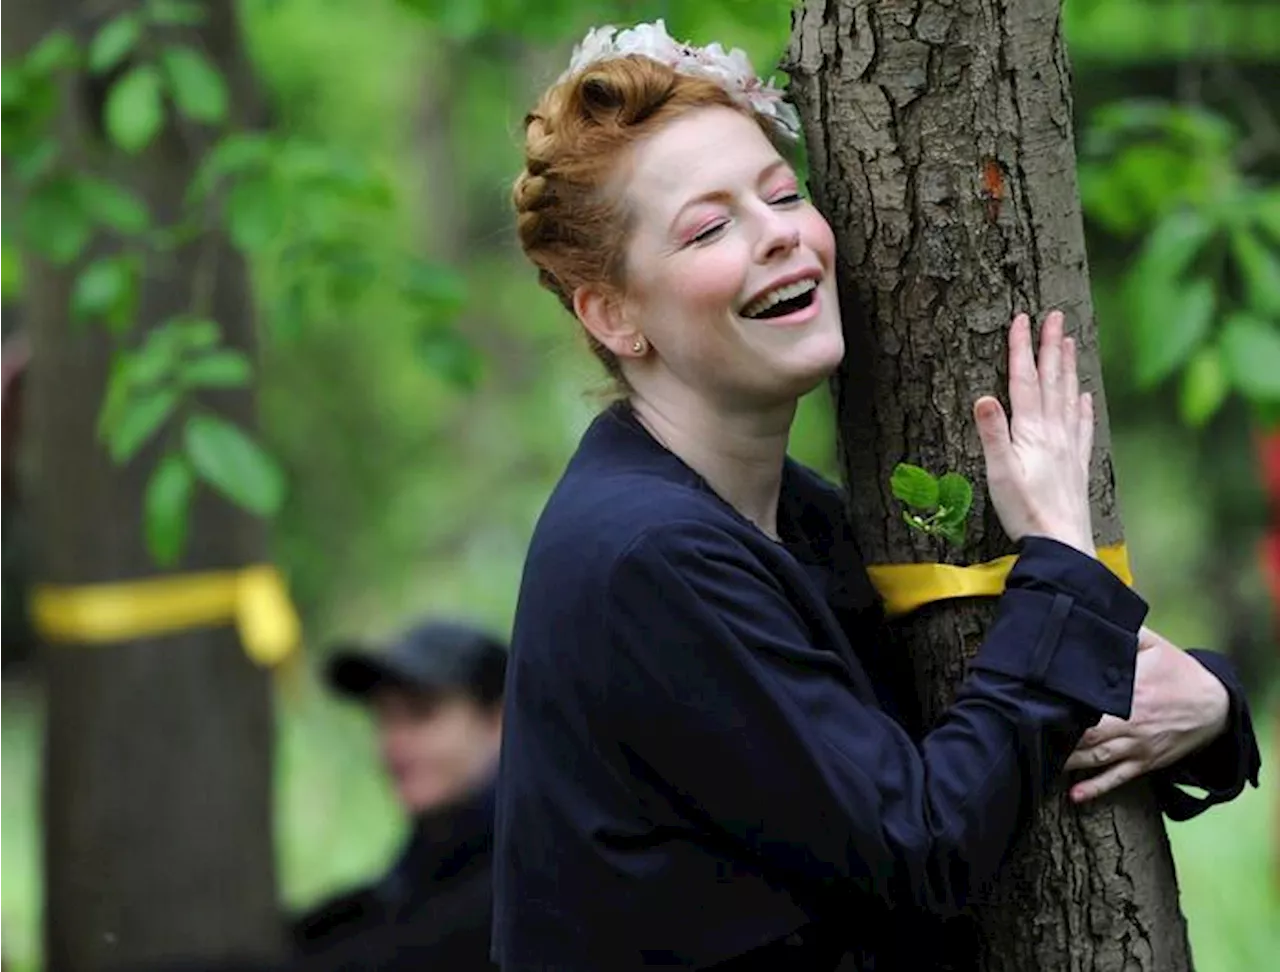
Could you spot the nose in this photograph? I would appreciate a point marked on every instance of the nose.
(779, 236)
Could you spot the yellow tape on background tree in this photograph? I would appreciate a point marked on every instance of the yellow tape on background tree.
(908, 587)
(254, 599)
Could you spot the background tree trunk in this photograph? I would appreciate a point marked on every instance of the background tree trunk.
(157, 773)
(940, 148)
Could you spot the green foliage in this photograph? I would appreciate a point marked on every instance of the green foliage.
(106, 290)
(152, 391)
(135, 108)
(196, 85)
(1203, 296)
(114, 41)
(1251, 350)
(300, 209)
(1205, 386)
(939, 505)
(233, 464)
(53, 223)
(166, 508)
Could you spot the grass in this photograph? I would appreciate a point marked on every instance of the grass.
(336, 824)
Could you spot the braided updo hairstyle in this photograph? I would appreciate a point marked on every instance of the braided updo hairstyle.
(571, 219)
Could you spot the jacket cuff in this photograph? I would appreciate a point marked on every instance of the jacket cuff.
(1069, 625)
(1223, 767)
(1048, 565)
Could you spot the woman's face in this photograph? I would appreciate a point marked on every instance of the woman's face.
(729, 271)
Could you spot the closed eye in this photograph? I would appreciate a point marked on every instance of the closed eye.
(708, 234)
(787, 199)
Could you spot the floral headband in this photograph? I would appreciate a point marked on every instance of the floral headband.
(732, 70)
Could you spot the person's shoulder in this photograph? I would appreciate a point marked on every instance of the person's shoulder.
(605, 513)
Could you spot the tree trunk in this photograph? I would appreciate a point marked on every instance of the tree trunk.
(940, 149)
(157, 773)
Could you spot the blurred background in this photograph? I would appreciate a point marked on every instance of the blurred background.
(420, 393)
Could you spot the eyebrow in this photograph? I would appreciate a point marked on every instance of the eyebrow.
(719, 195)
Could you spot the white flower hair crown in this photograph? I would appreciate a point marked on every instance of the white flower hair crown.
(732, 70)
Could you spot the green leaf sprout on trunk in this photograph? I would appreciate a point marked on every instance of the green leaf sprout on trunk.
(937, 506)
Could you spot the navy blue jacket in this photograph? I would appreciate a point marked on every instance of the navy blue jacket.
(701, 756)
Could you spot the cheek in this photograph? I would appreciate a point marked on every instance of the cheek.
(709, 284)
(817, 233)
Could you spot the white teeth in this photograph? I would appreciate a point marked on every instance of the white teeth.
(788, 292)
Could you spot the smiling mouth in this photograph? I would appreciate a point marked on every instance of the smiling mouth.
(782, 301)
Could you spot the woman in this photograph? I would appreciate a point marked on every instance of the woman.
(701, 765)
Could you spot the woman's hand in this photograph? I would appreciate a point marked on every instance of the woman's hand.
(1038, 464)
(1179, 706)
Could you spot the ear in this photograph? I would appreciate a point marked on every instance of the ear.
(602, 312)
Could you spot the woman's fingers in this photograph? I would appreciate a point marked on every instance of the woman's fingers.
(1070, 378)
(1113, 750)
(993, 432)
(1114, 778)
(1085, 432)
(1024, 382)
(1109, 727)
(1050, 365)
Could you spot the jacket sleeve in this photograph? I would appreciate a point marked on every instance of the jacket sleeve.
(1223, 767)
(753, 733)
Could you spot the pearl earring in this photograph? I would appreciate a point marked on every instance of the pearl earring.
(638, 345)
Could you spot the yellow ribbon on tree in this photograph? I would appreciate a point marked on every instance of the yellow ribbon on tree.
(254, 599)
(907, 587)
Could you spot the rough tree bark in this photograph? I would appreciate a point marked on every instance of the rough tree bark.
(940, 148)
(157, 773)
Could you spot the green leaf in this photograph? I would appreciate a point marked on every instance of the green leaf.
(1174, 242)
(135, 108)
(1205, 386)
(226, 368)
(955, 495)
(176, 13)
(195, 334)
(106, 290)
(54, 222)
(116, 397)
(255, 214)
(449, 355)
(953, 533)
(141, 418)
(35, 160)
(1251, 353)
(13, 87)
(1174, 325)
(11, 274)
(166, 508)
(234, 464)
(155, 361)
(197, 86)
(915, 486)
(461, 21)
(110, 205)
(113, 42)
(55, 52)
(1260, 269)
(1266, 212)
(235, 155)
(434, 286)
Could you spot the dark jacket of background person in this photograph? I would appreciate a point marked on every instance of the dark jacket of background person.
(708, 754)
(432, 911)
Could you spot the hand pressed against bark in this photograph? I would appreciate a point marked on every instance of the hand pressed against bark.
(1179, 706)
(1038, 463)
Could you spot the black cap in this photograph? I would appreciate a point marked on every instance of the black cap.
(434, 656)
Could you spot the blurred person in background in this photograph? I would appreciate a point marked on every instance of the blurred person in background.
(436, 697)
